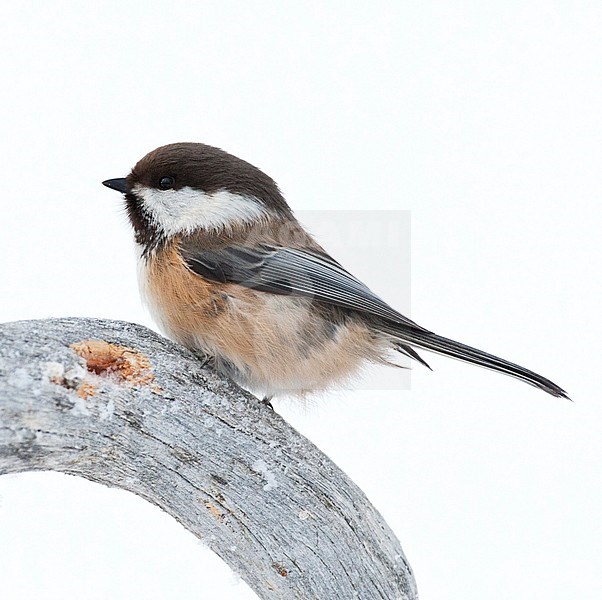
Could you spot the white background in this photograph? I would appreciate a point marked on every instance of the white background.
(482, 118)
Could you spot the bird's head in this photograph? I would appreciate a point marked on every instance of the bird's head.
(182, 188)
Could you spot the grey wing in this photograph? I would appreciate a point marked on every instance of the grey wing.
(291, 271)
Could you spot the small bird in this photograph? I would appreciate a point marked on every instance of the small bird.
(225, 268)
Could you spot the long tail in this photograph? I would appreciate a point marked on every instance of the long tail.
(427, 340)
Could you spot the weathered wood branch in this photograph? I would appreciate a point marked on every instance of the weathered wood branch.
(117, 404)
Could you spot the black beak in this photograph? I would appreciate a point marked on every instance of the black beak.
(119, 185)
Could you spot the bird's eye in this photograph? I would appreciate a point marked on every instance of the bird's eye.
(167, 183)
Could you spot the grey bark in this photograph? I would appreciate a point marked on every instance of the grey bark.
(228, 468)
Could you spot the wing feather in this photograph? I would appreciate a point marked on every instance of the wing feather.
(291, 271)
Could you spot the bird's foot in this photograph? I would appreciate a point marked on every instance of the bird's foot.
(267, 401)
(206, 360)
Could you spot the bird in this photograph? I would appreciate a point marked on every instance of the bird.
(227, 270)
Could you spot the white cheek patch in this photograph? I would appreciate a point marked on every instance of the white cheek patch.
(187, 209)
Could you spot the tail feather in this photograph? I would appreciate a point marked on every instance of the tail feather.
(410, 352)
(432, 342)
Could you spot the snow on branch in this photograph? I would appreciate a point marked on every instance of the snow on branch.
(117, 404)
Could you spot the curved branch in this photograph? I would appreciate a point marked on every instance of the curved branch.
(117, 404)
